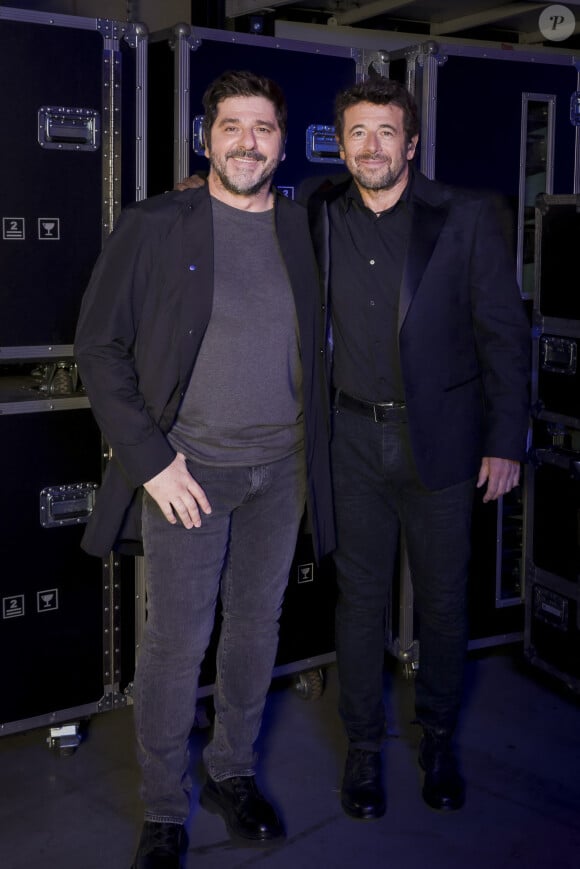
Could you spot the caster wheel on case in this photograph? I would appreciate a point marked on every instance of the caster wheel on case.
(310, 684)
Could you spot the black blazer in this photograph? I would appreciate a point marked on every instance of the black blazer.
(464, 337)
(142, 321)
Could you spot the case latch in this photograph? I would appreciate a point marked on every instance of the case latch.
(558, 355)
(67, 505)
(69, 129)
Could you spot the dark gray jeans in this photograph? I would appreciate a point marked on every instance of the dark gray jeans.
(377, 493)
(243, 551)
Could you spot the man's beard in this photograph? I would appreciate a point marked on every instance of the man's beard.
(237, 185)
(383, 179)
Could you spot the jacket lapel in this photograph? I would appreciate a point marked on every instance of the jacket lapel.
(426, 225)
(195, 274)
(428, 216)
(298, 254)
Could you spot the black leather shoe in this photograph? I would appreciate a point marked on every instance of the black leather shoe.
(248, 815)
(162, 846)
(443, 787)
(363, 794)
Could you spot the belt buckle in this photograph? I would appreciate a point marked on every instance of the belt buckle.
(384, 406)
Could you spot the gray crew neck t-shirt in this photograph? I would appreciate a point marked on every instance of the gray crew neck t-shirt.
(243, 404)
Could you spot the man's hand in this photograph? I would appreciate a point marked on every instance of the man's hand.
(193, 182)
(176, 492)
(502, 475)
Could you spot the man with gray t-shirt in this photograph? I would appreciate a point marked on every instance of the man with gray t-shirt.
(201, 345)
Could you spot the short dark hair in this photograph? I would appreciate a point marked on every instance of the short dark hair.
(379, 91)
(241, 83)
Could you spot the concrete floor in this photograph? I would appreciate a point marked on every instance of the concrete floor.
(519, 745)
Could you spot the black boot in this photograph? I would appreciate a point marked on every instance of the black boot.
(248, 815)
(162, 846)
(363, 793)
(443, 787)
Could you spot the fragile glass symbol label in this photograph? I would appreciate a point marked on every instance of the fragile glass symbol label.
(305, 572)
(49, 228)
(47, 601)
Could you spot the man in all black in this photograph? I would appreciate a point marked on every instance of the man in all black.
(430, 377)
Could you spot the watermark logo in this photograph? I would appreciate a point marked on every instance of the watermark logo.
(557, 23)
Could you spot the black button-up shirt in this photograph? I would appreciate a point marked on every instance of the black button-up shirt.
(367, 255)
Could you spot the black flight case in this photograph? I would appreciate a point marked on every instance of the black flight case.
(71, 154)
(552, 550)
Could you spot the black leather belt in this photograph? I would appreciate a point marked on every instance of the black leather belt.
(379, 411)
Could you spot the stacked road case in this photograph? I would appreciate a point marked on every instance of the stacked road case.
(92, 131)
(552, 626)
(71, 154)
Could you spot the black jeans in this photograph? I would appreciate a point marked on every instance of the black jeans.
(378, 493)
(243, 552)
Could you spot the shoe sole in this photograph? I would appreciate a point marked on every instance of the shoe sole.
(359, 814)
(210, 804)
(449, 806)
